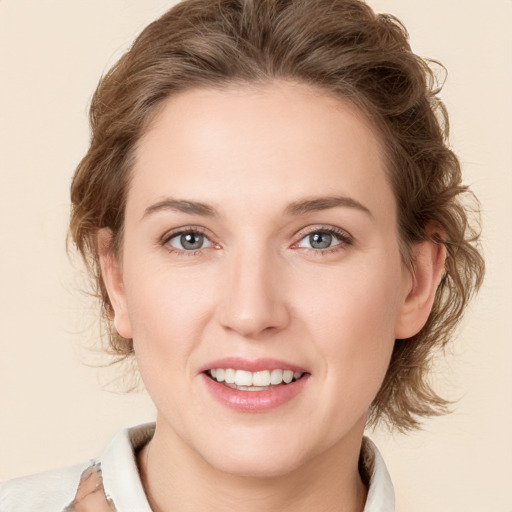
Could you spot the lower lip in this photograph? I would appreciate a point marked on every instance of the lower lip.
(254, 401)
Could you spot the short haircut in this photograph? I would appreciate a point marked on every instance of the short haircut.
(337, 46)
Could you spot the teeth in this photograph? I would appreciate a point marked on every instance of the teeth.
(276, 376)
(253, 381)
(243, 378)
(287, 376)
(261, 378)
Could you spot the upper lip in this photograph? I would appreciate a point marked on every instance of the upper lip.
(252, 365)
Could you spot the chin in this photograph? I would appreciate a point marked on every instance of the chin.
(255, 466)
(256, 456)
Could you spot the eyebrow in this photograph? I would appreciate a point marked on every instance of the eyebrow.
(180, 205)
(296, 208)
(324, 203)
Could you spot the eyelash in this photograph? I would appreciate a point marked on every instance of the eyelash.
(185, 231)
(345, 240)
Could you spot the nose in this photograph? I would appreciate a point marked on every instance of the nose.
(254, 296)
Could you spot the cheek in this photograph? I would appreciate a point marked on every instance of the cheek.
(357, 303)
(168, 311)
(353, 320)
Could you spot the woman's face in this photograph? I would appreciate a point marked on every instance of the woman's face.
(261, 235)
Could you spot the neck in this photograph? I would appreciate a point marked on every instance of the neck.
(176, 478)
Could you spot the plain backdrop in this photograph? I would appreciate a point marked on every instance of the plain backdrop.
(55, 410)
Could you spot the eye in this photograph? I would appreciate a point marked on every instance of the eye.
(323, 239)
(188, 241)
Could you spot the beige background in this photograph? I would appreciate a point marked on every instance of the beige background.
(53, 410)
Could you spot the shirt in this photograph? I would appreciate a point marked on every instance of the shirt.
(111, 482)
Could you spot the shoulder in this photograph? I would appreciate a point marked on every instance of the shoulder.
(106, 483)
(47, 491)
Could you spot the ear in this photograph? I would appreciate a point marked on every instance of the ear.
(428, 259)
(111, 273)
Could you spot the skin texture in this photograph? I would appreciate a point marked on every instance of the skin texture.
(257, 288)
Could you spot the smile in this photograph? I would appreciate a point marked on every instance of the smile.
(244, 380)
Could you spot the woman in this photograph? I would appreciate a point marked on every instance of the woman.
(274, 222)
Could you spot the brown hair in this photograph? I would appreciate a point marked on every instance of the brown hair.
(339, 46)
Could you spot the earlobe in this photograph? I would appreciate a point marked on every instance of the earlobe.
(428, 260)
(113, 279)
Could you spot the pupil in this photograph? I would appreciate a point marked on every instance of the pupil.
(192, 240)
(320, 240)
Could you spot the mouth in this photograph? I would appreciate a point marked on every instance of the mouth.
(262, 380)
(254, 385)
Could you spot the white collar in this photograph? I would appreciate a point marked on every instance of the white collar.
(381, 496)
(121, 479)
(122, 483)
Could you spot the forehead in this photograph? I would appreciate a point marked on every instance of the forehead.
(259, 145)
